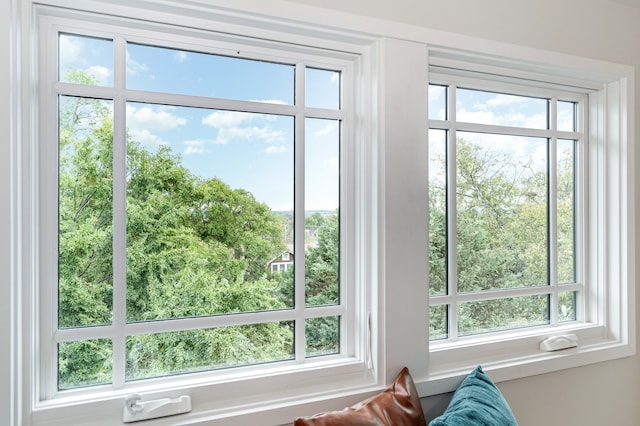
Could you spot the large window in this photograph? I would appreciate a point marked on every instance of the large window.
(505, 212)
(176, 172)
(527, 198)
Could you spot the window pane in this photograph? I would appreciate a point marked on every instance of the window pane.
(323, 336)
(85, 279)
(437, 213)
(566, 211)
(502, 314)
(85, 60)
(501, 211)
(84, 363)
(567, 306)
(202, 188)
(163, 354)
(322, 88)
(191, 73)
(438, 324)
(322, 225)
(437, 102)
(566, 116)
(476, 106)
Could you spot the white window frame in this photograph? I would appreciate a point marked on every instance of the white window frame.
(117, 332)
(392, 140)
(451, 125)
(245, 392)
(604, 255)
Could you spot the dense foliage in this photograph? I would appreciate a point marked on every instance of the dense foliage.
(502, 238)
(197, 247)
(194, 247)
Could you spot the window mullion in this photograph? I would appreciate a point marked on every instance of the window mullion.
(299, 213)
(452, 213)
(119, 215)
(553, 211)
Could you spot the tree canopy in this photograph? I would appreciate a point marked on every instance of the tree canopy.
(502, 238)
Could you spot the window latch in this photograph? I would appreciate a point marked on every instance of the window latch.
(135, 409)
(556, 343)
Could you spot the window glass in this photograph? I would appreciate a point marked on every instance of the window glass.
(323, 336)
(437, 102)
(84, 363)
(437, 212)
(566, 116)
(476, 106)
(501, 211)
(501, 314)
(85, 244)
(155, 355)
(85, 60)
(192, 73)
(511, 223)
(203, 199)
(566, 215)
(322, 230)
(202, 186)
(567, 306)
(438, 326)
(322, 88)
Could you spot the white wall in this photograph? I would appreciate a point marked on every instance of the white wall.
(605, 393)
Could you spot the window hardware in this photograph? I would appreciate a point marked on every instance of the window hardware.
(135, 409)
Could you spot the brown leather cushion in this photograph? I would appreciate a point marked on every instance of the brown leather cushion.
(397, 405)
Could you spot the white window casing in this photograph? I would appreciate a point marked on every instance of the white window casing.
(387, 187)
(607, 312)
(223, 394)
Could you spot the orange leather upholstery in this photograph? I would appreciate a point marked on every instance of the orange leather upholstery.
(397, 405)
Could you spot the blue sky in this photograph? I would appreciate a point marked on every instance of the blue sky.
(246, 150)
(255, 151)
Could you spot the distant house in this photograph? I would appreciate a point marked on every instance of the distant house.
(282, 262)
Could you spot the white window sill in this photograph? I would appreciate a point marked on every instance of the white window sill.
(515, 355)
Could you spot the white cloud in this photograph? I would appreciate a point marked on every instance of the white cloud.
(142, 120)
(227, 119)
(235, 126)
(153, 117)
(231, 134)
(180, 56)
(195, 147)
(328, 129)
(484, 117)
(70, 49)
(134, 67)
(504, 110)
(505, 100)
(518, 119)
(147, 139)
(565, 120)
(274, 149)
(436, 92)
(102, 74)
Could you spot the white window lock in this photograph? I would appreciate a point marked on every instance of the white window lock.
(556, 343)
(135, 409)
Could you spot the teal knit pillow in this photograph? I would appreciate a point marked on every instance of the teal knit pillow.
(477, 402)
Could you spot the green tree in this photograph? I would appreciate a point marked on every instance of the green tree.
(194, 247)
(501, 237)
(322, 264)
